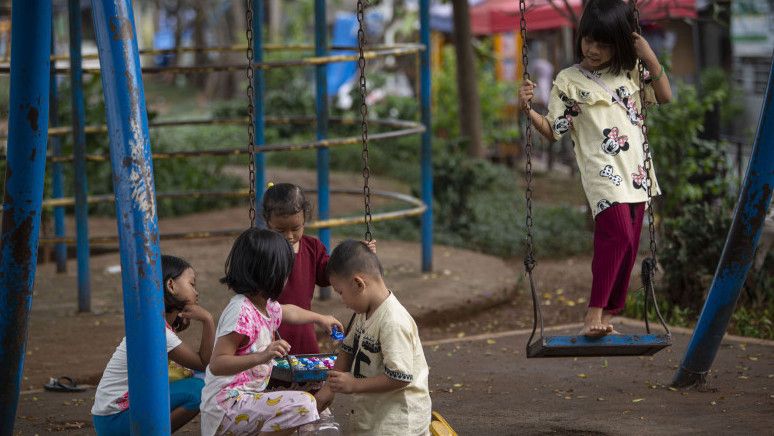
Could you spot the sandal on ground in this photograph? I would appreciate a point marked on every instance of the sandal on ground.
(63, 384)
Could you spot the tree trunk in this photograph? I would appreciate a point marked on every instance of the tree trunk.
(275, 20)
(200, 57)
(467, 87)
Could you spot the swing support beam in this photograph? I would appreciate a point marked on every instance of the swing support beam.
(28, 134)
(132, 163)
(738, 253)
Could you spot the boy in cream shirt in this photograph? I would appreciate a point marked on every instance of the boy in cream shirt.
(381, 360)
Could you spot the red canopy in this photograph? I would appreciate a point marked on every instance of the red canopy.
(498, 16)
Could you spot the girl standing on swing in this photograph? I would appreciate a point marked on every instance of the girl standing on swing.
(597, 101)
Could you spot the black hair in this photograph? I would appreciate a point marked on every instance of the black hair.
(172, 267)
(260, 262)
(353, 257)
(610, 22)
(285, 199)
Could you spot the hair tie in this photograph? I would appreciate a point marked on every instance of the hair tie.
(269, 185)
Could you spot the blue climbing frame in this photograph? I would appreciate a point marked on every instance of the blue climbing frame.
(427, 150)
(79, 153)
(130, 156)
(134, 187)
(738, 253)
(26, 165)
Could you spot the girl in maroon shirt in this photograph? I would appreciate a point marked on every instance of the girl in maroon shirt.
(286, 210)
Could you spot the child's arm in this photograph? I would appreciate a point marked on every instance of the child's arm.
(346, 383)
(226, 362)
(660, 82)
(293, 314)
(325, 395)
(541, 124)
(183, 354)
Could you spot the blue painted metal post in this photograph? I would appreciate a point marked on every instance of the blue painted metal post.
(138, 232)
(60, 250)
(258, 116)
(24, 175)
(427, 149)
(321, 109)
(737, 257)
(79, 153)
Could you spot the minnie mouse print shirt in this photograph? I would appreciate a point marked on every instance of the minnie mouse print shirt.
(607, 138)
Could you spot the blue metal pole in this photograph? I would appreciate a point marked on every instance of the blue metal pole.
(79, 153)
(427, 150)
(737, 257)
(321, 109)
(60, 250)
(138, 232)
(24, 175)
(258, 103)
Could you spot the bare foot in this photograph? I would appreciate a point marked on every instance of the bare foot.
(593, 327)
(593, 331)
(606, 318)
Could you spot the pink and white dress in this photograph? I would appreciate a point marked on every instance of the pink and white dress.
(237, 403)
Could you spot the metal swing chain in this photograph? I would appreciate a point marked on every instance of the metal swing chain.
(529, 259)
(361, 41)
(649, 265)
(250, 107)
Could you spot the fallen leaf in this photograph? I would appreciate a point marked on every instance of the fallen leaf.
(713, 403)
(637, 400)
(457, 385)
(604, 364)
(559, 291)
(491, 341)
(583, 376)
(753, 358)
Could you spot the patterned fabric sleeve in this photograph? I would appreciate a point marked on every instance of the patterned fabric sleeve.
(274, 309)
(397, 351)
(561, 108)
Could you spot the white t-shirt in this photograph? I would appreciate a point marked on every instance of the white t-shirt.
(242, 317)
(113, 390)
(388, 343)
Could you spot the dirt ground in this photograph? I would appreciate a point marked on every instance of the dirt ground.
(472, 312)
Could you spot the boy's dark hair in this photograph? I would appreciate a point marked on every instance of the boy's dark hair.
(172, 267)
(610, 22)
(285, 199)
(353, 257)
(259, 263)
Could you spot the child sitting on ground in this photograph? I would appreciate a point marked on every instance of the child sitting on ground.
(233, 400)
(111, 402)
(381, 360)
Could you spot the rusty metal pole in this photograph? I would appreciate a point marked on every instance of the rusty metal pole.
(738, 253)
(24, 175)
(130, 155)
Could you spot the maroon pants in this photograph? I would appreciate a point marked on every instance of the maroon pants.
(616, 241)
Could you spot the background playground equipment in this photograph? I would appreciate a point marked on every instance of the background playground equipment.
(387, 129)
(131, 157)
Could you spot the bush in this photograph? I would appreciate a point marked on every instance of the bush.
(478, 206)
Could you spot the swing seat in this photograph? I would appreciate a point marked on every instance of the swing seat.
(610, 345)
